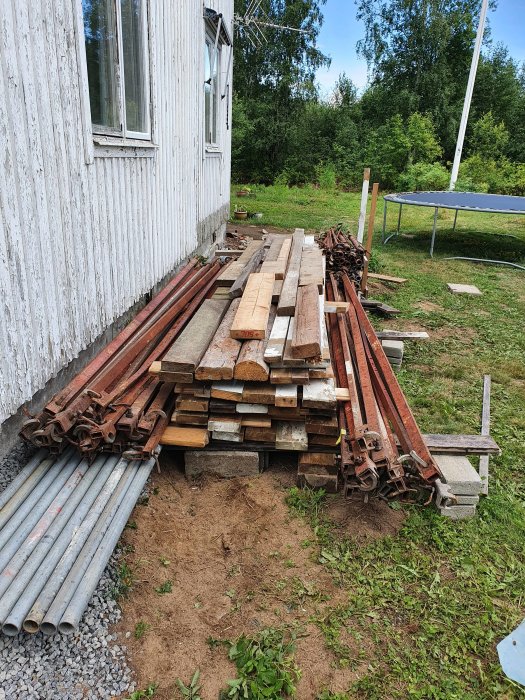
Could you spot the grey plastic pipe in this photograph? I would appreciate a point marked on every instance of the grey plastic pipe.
(30, 511)
(22, 477)
(23, 567)
(74, 575)
(45, 584)
(82, 595)
(29, 484)
(30, 580)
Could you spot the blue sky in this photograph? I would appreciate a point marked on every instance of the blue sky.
(341, 31)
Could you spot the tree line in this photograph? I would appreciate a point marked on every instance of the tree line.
(403, 125)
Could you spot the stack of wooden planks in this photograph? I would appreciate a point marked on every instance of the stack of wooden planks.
(253, 366)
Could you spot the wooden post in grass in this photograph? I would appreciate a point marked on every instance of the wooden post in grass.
(370, 234)
(364, 202)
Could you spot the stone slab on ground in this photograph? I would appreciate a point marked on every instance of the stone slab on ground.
(458, 512)
(227, 464)
(459, 474)
(393, 348)
(464, 289)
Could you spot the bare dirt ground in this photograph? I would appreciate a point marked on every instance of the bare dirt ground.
(238, 562)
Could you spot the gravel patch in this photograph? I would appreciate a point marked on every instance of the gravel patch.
(89, 664)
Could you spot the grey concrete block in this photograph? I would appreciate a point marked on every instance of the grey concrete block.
(393, 348)
(445, 497)
(227, 463)
(458, 512)
(459, 474)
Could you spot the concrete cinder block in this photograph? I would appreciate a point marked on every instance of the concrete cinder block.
(459, 474)
(393, 348)
(445, 497)
(458, 512)
(227, 463)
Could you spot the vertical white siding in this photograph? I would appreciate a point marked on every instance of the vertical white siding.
(82, 238)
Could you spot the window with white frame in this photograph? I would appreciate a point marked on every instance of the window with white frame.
(116, 38)
(212, 67)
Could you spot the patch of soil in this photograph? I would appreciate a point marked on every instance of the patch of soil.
(428, 306)
(238, 562)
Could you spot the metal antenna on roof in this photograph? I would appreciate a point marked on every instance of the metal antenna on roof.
(253, 22)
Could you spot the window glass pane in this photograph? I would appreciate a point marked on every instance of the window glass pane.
(133, 49)
(207, 92)
(102, 57)
(215, 94)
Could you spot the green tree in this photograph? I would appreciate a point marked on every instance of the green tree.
(489, 139)
(421, 135)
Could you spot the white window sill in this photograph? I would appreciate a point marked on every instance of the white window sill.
(118, 147)
(212, 150)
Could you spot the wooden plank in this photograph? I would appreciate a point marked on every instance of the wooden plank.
(185, 437)
(189, 418)
(291, 436)
(250, 365)
(275, 345)
(188, 349)
(318, 459)
(219, 359)
(226, 253)
(220, 407)
(321, 373)
(224, 436)
(230, 272)
(278, 266)
(289, 375)
(322, 426)
(228, 391)
(485, 430)
(288, 359)
(319, 393)
(256, 422)
(191, 404)
(277, 288)
(251, 408)
(461, 444)
(311, 269)
(306, 339)
(402, 335)
(386, 278)
(286, 395)
(251, 318)
(224, 424)
(258, 393)
(238, 287)
(261, 434)
(286, 306)
(325, 440)
(201, 391)
(172, 377)
(336, 307)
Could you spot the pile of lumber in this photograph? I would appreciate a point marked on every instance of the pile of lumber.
(253, 364)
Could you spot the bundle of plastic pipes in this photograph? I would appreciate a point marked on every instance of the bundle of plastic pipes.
(60, 520)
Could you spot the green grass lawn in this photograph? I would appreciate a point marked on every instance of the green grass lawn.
(427, 607)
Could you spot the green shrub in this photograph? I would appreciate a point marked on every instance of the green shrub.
(326, 177)
(424, 176)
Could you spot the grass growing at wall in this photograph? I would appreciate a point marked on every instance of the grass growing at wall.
(426, 608)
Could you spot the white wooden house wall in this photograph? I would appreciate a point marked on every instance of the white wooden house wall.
(86, 230)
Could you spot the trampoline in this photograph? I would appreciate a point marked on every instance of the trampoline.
(458, 201)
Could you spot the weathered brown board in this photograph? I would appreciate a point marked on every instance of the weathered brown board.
(462, 444)
(179, 418)
(238, 287)
(318, 459)
(258, 392)
(277, 287)
(278, 266)
(260, 435)
(224, 424)
(319, 393)
(185, 437)
(188, 349)
(250, 365)
(286, 306)
(289, 375)
(286, 395)
(386, 278)
(191, 404)
(231, 272)
(325, 440)
(322, 426)
(219, 406)
(256, 422)
(306, 339)
(228, 437)
(220, 357)
(311, 270)
(251, 318)
(275, 347)
(228, 391)
(251, 408)
(291, 436)
(202, 391)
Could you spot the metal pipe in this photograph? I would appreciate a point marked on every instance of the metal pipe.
(47, 521)
(21, 478)
(19, 495)
(53, 574)
(433, 232)
(385, 202)
(73, 577)
(488, 262)
(82, 596)
(399, 218)
(101, 478)
(23, 520)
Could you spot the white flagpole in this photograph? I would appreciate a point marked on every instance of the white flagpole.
(468, 96)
